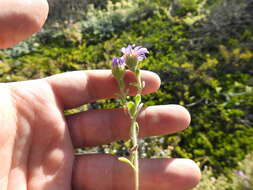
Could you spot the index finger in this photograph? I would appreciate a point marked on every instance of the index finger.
(76, 88)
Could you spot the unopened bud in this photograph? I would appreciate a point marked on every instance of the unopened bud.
(118, 68)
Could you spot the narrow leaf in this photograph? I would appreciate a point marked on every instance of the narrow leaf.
(137, 99)
(131, 108)
(134, 84)
(123, 159)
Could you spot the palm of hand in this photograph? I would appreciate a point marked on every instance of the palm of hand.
(37, 144)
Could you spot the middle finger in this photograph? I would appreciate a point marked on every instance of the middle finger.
(97, 127)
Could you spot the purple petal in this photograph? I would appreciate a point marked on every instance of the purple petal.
(122, 60)
(127, 50)
(141, 57)
(139, 51)
(123, 50)
(142, 51)
(240, 173)
(118, 62)
(115, 62)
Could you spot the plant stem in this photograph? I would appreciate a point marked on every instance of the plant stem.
(134, 134)
(134, 128)
(134, 152)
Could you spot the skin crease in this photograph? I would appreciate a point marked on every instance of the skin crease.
(37, 139)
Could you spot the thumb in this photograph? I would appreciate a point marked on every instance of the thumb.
(19, 19)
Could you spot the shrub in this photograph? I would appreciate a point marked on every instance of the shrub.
(244, 176)
(62, 10)
(227, 18)
(102, 24)
(220, 134)
(210, 182)
(241, 179)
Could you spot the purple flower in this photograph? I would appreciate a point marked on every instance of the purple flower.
(133, 54)
(118, 68)
(118, 62)
(136, 51)
(240, 174)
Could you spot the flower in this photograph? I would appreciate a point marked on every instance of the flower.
(133, 54)
(118, 67)
(241, 174)
(116, 62)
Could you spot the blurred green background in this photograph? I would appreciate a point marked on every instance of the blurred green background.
(201, 49)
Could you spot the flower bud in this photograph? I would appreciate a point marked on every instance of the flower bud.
(118, 68)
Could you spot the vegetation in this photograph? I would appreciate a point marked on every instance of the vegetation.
(202, 50)
(237, 180)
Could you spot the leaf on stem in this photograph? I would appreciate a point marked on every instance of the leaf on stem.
(131, 108)
(123, 159)
(137, 99)
(134, 84)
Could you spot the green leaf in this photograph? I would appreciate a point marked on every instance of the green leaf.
(134, 84)
(123, 159)
(137, 99)
(131, 108)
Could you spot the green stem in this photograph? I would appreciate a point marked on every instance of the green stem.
(138, 78)
(134, 134)
(134, 153)
(122, 91)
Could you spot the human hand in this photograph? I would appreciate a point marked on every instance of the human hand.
(37, 139)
